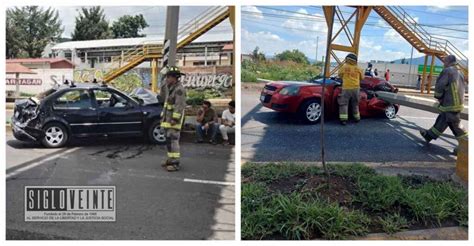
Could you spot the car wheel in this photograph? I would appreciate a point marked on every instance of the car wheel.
(56, 135)
(390, 111)
(156, 134)
(310, 111)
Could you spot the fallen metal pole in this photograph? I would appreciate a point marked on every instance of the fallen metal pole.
(426, 104)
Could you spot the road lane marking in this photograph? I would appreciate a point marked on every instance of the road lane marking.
(35, 164)
(201, 181)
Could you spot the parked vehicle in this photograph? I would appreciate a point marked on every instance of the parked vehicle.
(86, 110)
(304, 98)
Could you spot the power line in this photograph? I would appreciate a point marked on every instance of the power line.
(430, 13)
(321, 17)
(283, 16)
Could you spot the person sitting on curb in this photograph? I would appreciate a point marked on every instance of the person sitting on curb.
(207, 123)
(228, 122)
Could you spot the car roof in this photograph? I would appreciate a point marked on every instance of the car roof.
(82, 86)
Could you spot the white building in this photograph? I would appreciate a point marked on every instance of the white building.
(208, 50)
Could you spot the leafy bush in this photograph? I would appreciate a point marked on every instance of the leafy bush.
(278, 70)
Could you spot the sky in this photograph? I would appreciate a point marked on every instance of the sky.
(277, 28)
(154, 15)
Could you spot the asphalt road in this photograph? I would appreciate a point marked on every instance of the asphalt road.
(271, 136)
(151, 203)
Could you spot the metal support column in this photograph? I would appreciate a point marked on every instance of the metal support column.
(423, 77)
(430, 77)
(154, 74)
(361, 13)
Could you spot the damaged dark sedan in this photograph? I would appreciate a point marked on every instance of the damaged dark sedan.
(87, 110)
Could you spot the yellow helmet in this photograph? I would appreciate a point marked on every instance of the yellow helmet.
(174, 71)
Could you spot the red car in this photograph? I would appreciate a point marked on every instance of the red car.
(304, 98)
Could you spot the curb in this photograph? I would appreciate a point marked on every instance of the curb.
(443, 233)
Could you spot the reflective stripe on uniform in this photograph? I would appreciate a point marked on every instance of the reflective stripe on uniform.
(357, 116)
(461, 136)
(454, 91)
(174, 155)
(168, 106)
(435, 131)
(165, 125)
(343, 116)
(456, 108)
(176, 115)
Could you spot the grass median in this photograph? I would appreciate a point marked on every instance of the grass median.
(288, 201)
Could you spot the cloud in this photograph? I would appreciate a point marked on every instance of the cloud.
(303, 23)
(439, 8)
(257, 13)
(270, 44)
(154, 15)
(393, 36)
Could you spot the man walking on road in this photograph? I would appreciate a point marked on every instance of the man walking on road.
(172, 115)
(351, 76)
(449, 91)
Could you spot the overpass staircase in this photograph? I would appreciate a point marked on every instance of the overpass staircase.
(147, 51)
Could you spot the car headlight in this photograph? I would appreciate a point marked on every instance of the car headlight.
(290, 91)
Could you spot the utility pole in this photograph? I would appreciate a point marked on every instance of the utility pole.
(169, 45)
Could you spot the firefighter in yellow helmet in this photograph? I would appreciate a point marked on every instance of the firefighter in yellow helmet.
(172, 116)
(351, 76)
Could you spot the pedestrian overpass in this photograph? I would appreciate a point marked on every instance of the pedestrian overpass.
(152, 51)
(400, 21)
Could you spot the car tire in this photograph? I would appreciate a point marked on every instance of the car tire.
(310, 111)
(390, 111)
(56, 135)
(156, 135)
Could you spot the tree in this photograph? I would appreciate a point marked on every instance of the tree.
(293, 55)
(91, 25)
(258, 56)
(29, 29)
(129, 26)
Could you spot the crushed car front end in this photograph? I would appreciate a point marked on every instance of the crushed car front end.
(26, 120)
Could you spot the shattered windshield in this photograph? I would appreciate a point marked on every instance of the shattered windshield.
(40, 96)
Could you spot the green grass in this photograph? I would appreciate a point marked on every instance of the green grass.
(393, 223)
(389, 203)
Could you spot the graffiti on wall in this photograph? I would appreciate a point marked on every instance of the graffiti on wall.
(207, 81)
(141, 77)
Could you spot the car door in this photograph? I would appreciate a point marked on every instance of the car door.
(118, 114)
(75, 107)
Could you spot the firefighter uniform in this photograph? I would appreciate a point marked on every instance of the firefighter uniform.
(351, 76)
(449, 90)
(172, 118)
